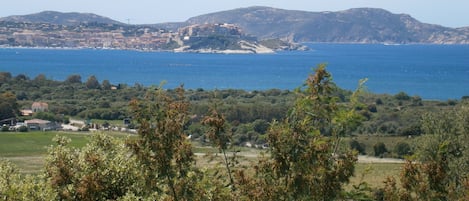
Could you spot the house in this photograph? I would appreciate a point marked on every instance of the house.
(26, 112)
(40, 107)
(39, 124)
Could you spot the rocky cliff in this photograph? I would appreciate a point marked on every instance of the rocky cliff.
(359, 25)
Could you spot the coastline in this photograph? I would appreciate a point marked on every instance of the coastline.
(177, 50)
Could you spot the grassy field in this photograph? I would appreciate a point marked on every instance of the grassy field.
(375, 173)
(16, 144)
(27, 151)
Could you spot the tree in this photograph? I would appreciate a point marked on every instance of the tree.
(17, 186)
(40, 78)
(402, 149)
(73, 79)
(162, 149)
(221, 139)
(106, 85)
(8, 106)
(92, 83)
(260, 125)
(102, 170)
(379, 149)
(359, 147)
(21, 77)
(442, 155)
(5, 77)
(402, 96)
(304, 163)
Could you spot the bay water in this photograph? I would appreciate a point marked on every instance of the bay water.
(429, 71)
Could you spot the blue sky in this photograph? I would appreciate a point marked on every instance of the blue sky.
(451, 13)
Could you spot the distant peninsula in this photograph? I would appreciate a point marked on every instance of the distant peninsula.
(82, 30)
(244, 30)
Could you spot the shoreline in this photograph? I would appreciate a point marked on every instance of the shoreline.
(201, 51)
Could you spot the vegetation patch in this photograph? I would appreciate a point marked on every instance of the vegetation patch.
(32, 144)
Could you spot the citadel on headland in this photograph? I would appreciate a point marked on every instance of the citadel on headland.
(194, 38)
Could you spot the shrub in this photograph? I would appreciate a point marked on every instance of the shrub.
(379, 101)
(412, 130)
(402, 149)
(402, 96)
(372, 108)
(5, 128)
(23, 129)
(380, 149)
(260, 126)
(360, 147)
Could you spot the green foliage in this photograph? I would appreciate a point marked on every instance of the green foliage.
(306, 159)
(106, 85)
(380, 149)
(261, 126)
(92, 83)
(162, 149)
(102, 170)
(300, 166)
(102, 113)
(49, 116)
(221, 139)
(241, 108)
(402, 149)
(359, 147)
(14, 186)
(23, 129)
(73, 79)
(441, 172)
(8, 106)
(402, 96)
(5, 128)
(5, 77)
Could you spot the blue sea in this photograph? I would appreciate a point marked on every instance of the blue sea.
(430, 71)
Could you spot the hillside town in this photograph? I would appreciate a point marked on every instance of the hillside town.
(90, 35)
(204, 37)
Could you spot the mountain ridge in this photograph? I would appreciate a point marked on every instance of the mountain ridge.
(60, 18)
(355, 25)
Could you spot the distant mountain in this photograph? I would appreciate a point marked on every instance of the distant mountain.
(359, 25)
(59, 18)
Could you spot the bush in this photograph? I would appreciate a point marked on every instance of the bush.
(402, 149)
(260, 126)
(372, 108)
(380, 149)
(360, 147)
(23, 129)
(412, 130)
(5, 128)
(379, 101)
(402, 96)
